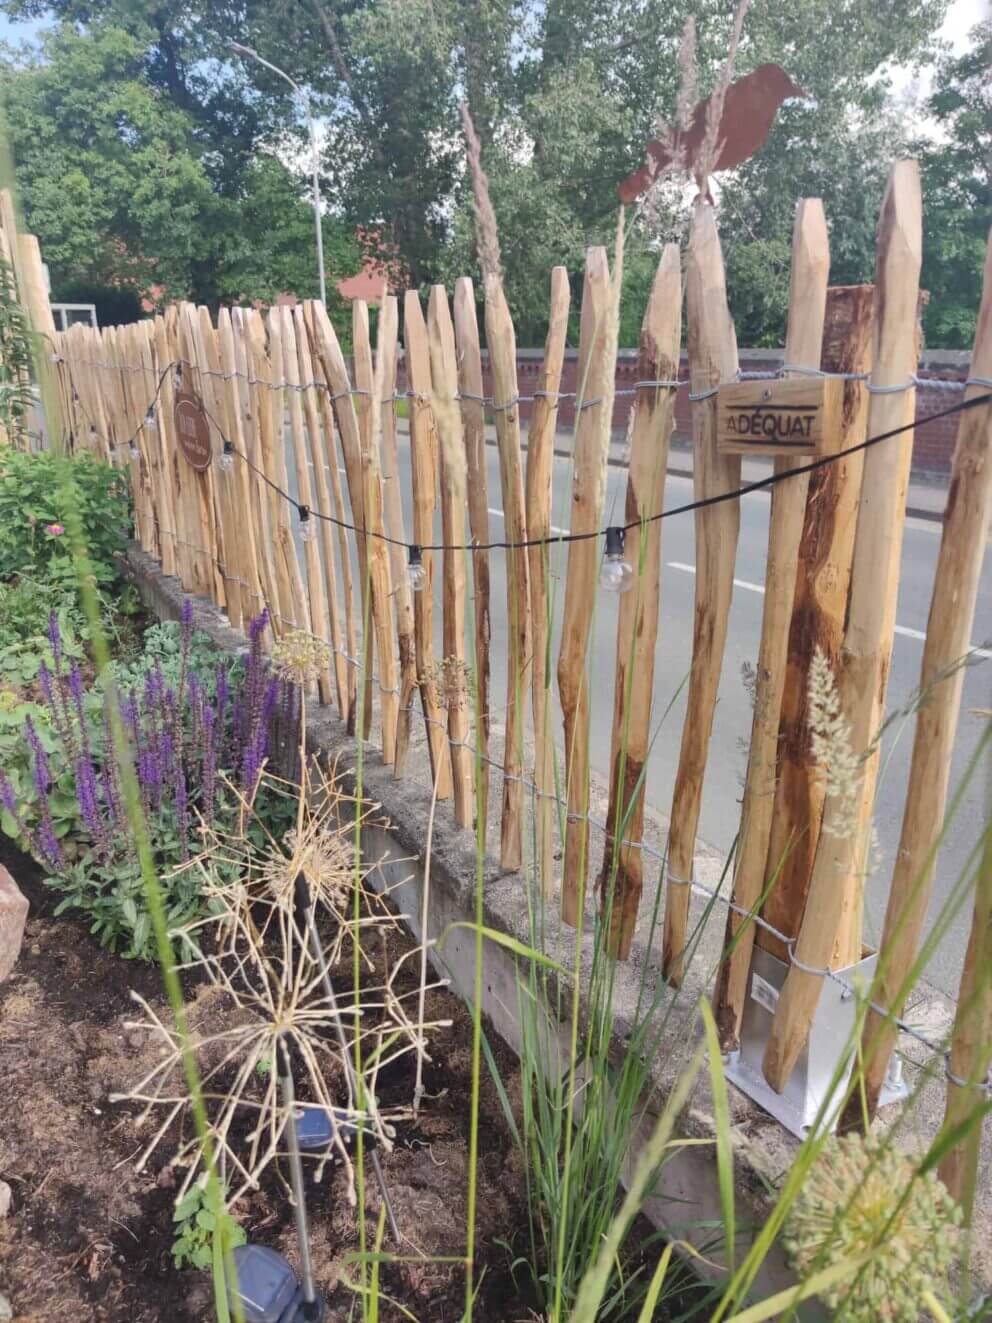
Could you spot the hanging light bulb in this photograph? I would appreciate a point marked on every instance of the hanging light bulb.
(616, 575)
(227, 457)
(308, 527)
(177, 377)
(416, 570)
(151, 422)
(133, 451)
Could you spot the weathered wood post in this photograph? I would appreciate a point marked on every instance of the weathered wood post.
(622, 877)
(592, 440)
(503, 360)
(540, 464)
(807, 307)
(444, 373)
(712, 358)
(952, 613)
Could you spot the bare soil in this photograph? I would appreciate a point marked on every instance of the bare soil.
(89, 1237)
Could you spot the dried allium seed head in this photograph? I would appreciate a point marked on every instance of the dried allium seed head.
(300, 657)
(327, 860)
(862, 1197)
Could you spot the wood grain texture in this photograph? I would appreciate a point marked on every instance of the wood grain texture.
(444, 374)
(423, 468)
(538, 488)
(394, 525)
(712, 346)
(240, 479)
(474, 427)
(952, 612)
(501, 339)
(823, 578)
(622, 877)
(590, 450)
(369, 413)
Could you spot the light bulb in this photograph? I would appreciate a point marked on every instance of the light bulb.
(308, 526)
(227, 458)
(177, 377)
(416, 570)
(151, 422)
(133, 451)
(616, 575)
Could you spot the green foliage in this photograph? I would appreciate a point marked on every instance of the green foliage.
(15, 359)
(34, 498)
(125, 190)
(957, 193)
(196, 1225)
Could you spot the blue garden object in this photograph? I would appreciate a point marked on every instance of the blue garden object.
(268, 1289)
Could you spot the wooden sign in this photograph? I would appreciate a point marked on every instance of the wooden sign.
(192, 430)
(798, 416)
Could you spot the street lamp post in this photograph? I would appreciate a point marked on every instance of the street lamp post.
(251, 54)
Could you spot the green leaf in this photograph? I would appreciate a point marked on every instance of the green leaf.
(724, 1140)
(504, 939)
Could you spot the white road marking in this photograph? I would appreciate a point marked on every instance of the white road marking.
(500, 515)
(904, 630)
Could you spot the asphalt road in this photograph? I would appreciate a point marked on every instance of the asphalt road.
(728, 751)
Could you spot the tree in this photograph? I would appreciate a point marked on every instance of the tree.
(957, 192)
(118, 183)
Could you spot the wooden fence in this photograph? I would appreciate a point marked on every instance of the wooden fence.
(226, 527)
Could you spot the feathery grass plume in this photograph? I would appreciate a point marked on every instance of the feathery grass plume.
(863, 1197)
(486, 232)
(651, 208)
(830, 741)
(710, 149)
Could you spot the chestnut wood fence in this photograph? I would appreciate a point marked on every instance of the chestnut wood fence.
(276, 390)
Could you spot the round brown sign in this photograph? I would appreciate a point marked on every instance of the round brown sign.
(192, 430)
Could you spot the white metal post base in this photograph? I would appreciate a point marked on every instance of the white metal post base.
(830, 1043)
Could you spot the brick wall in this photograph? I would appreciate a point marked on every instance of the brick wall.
(933, 443)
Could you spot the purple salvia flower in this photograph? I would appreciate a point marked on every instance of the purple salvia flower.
(258, 626)
(182, 812)
(47, 846)
(7, 797)
(46, 682)
(186, 635)
(109, 788)
(87, 796)
(208, 776)
(167, 753)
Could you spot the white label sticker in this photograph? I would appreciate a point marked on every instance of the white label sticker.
(763, 993)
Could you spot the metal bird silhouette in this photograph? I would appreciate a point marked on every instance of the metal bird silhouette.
(749, 109)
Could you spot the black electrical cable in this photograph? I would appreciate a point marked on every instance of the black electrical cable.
(306, 512)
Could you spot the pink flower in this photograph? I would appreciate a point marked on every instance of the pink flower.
(55, 530)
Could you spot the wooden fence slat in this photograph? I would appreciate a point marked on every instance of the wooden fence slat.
(540, 466)
(594, 409)
(444, 375)
(315, 584)
(164, 356)
(325, 529)
(394, 525)
(712, 346)
(422, 467)
(501, 339)
(971, 1046)
(871, 609)
(362, 398)
(819, 607)
(474, 426)
(244, 540)
(952, 613)
(344, 538)
(807, 305)
(228, 543)
(369, 413)
(159, 493)
(622, 877)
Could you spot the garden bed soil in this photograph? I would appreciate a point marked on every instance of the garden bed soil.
(89, 1237)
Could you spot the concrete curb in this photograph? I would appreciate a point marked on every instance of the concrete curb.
(687, 1189)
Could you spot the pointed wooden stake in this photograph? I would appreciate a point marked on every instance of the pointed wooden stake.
(444, 374)
(474, 426)
(592, 439)
(952, 613)
(423, 447)
(712, 358)
(540, 463)
(503, 360)
(622, 878)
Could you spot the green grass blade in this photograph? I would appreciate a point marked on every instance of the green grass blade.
(654, 1290)
(724, 1142)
